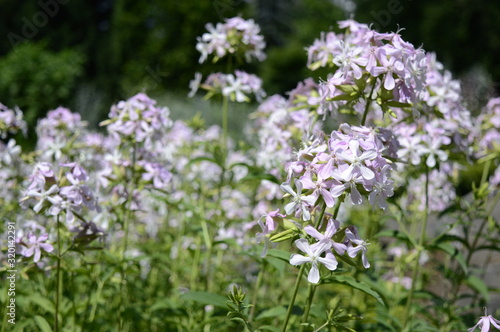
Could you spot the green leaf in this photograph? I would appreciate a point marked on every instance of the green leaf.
(42, 324)
(273, 312)
(347, 88)
(342, 97)
(453, 252)
(394, 234)
(198, 159)
(277, 263)
(206, 298)
(479, 285)
(451, 238)
(281, 254)
(268, 328)
(163, 304)
(42, 302)
(351, 282)
(348, 260)
(397, 104)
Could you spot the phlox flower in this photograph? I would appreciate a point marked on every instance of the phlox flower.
(390, 66)
(235, 89)
(270, 219)
(485, 322)
(320, 188)
(9, 152)
(300, 201)
(434, 153)
(331, 229)
(264, 237)
(355, 160)
(361, 246)
(35, 245)
(42, 195)
(313, 257)
(381, 188)
(59, 204)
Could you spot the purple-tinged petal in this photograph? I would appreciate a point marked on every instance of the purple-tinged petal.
(331, 264)
(303, 246)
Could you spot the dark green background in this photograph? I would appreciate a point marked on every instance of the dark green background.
(88, 54)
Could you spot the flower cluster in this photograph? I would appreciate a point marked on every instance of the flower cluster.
(56, 131)
(69, 194)
(353, 162)
(237, 87)
(138, 119)
(368, 66)
(281, 124)
(490, 126)
(236, 36)
(11, 121)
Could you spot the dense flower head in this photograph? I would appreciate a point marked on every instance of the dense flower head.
(354, 161)
(69, 194)
(56, 131)
(368, 66)
(237, 87)
(138, 119)
(281, 124)
(489, 128)
(11, 121)
(236, 36)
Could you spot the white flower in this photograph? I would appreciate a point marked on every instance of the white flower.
(361, 245)
(485, 322)
(313, 257)
(42, 196)
(235, 89)
(356, 161)
(298, 200)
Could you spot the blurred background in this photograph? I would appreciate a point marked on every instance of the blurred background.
(86, 55)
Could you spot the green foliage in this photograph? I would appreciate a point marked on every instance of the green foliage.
(37, 80)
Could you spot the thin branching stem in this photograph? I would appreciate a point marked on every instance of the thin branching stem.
(58, 276)
(292, 302)
(420, 248)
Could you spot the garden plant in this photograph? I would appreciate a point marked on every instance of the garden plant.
(363, 201)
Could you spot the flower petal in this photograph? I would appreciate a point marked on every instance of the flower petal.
(297, 259)
(313, 276)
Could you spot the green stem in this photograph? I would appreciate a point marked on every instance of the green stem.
(195, 265)
(294, 296)
(209, 245)
(58, 276)
(225, 108)
(321, 215)
(132, 183)
(310, 296)
(126, 222)
(312, 288)
(419, 249)
(486, 170)
(368, 101)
